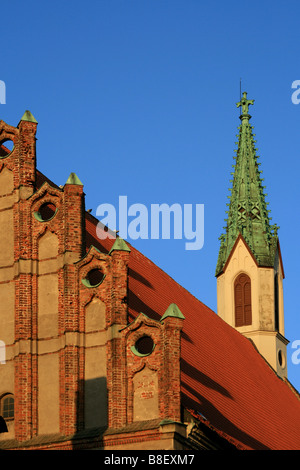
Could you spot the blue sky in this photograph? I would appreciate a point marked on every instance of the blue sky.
(138, 98)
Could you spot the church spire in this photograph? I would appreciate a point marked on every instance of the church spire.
(248, 214)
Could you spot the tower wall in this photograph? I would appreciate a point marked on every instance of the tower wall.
(262, 329)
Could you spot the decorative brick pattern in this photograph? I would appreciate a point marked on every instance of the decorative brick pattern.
(164, 360)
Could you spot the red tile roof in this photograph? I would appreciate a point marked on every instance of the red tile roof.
(223, 376)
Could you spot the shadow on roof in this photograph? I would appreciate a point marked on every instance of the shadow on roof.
(217, 419)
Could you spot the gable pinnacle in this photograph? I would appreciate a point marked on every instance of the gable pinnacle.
(172, 311)
(73, 179)
(27, 116)
(119, 245)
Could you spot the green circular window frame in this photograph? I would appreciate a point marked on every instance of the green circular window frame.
(10, 151)
(137, 353)
(38, 216)
(87, 283)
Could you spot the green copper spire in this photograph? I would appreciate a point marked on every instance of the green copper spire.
(172, 311)
(73, 179)
(248, 214)
(27, 116)
(119, 245)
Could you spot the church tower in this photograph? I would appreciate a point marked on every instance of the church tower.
(249, 269)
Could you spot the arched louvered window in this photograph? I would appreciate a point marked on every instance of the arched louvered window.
(7, 406)
(242, 300)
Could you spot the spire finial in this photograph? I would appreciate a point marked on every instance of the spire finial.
(244, 103)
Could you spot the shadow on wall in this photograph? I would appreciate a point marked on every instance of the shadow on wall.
(95, 402)
(91, 413)
(3, 427)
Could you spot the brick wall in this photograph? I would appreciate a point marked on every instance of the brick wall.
(71, 337)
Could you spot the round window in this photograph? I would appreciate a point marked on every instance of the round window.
(6, 147)
(93, 278)
(143, 346)
(46, 212)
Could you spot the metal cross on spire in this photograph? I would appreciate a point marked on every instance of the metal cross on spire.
(244, 103)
